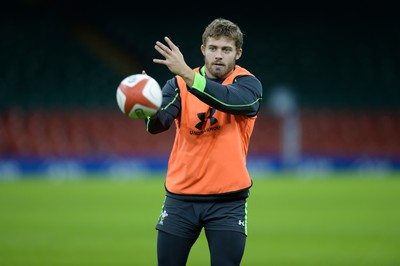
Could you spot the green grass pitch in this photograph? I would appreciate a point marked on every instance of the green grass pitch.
(342, 219)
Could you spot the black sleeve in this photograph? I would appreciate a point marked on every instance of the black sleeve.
(243, 97)
(170, 108)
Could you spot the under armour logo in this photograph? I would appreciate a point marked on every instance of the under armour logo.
(203, 119)
(241, 222)
(163, 215)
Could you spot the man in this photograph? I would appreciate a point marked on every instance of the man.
(214, 108)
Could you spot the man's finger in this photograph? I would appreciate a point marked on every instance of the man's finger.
(171, 45)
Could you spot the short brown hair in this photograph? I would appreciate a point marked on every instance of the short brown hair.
(223, 28)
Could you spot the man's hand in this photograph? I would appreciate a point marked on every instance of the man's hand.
(174, 60)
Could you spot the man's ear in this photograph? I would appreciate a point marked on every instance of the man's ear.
(239, 53)
(203, 49)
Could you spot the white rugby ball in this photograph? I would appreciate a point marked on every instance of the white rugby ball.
(139, 96)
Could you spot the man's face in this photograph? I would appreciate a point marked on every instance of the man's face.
(220, 57)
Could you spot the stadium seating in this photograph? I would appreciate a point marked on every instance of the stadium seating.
(63, 133)
(351, 133)
(107, 132)
(58, 95)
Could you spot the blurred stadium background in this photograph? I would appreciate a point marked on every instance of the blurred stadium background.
(331, 86)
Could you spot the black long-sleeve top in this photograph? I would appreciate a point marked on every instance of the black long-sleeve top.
(243, 97)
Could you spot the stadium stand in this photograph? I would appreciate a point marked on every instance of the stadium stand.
(93, 132)
(351, 133)
(85, 132)
(58, 88)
